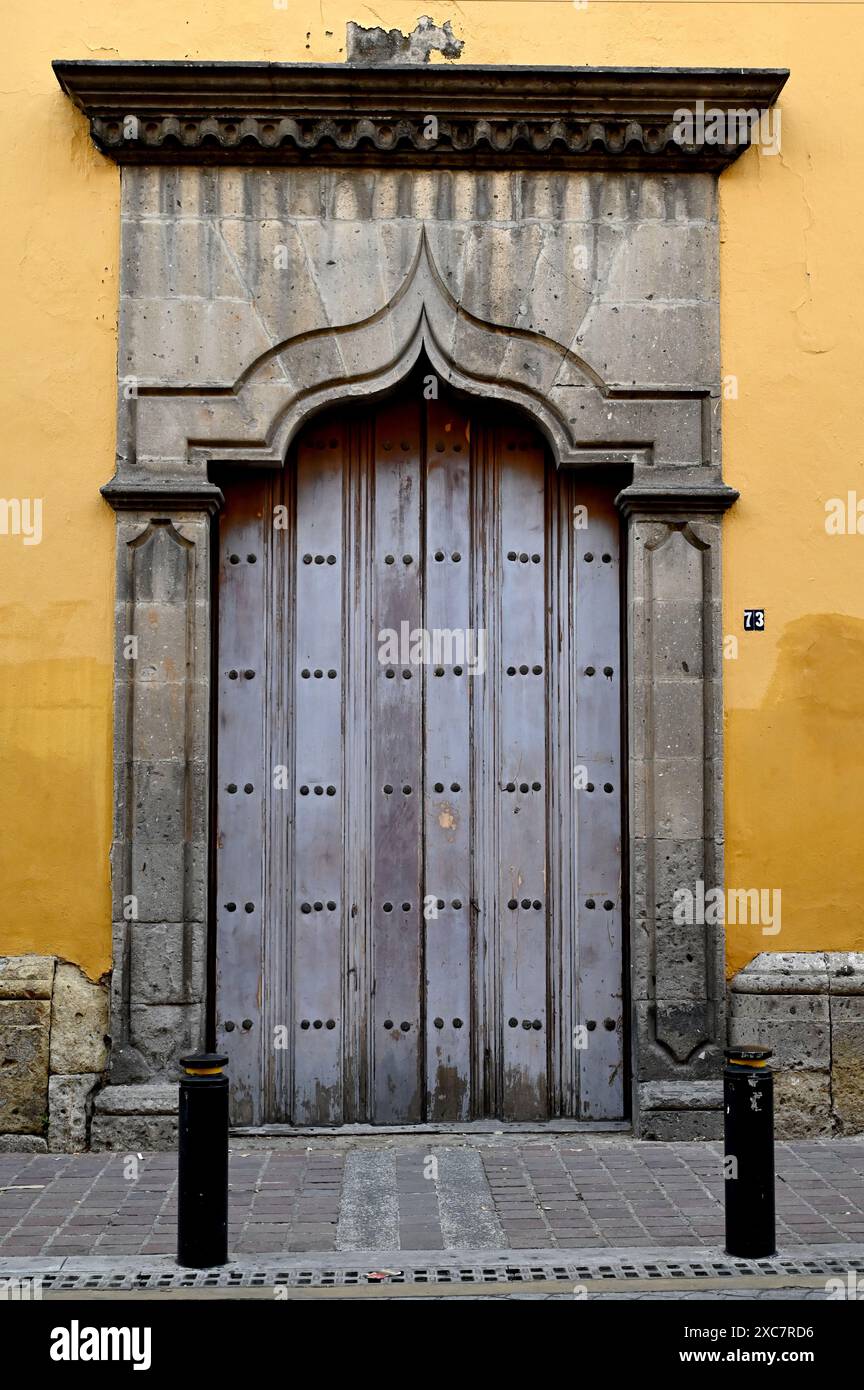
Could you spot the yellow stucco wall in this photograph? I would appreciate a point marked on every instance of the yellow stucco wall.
(791, 301)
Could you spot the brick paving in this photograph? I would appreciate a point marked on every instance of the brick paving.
(427, 1192)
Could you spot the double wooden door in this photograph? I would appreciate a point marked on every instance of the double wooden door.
(418, 811)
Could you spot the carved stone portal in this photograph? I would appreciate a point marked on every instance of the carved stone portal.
(533, 256)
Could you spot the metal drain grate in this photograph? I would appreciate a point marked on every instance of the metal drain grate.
(440, 1272)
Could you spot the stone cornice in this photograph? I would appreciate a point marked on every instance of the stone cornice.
(670, 497)
(304, 113)
(146, 495)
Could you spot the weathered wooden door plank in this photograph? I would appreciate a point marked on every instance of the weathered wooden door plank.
(240, 906)
(397, 772)
(318, 673)
(561, 800)
(454, 664)
(522, 774)
(598, 801)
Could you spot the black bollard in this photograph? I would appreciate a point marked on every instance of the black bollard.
(748, 1103)
(202, 1188)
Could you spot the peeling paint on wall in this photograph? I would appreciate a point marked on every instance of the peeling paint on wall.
(367, 47)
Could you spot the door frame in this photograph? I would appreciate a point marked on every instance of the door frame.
(264, 1079)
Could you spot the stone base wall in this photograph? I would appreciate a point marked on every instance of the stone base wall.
(808, 1007)
(54, 1047)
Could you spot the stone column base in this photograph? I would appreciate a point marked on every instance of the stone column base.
(680, 1110)
(136, 1117)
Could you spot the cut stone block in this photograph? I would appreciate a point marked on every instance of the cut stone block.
(784, 972)
(69, 1104)
(133, 1132)
(79, 1022)
(847, 1062)
(24, 1025)
(802, 1104)
(681, 1095)
(846, 972)
(670, 1125)
(160, 1099)
(26, 977)
(23, 1144)
(795, 1026)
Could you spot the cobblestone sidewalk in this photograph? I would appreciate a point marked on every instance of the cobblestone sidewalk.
(427, 1192)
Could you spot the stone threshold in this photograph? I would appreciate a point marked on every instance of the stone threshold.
(466, 1127)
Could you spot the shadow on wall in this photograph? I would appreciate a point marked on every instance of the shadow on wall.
(795, 792)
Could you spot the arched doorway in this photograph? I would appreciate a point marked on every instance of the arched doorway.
(417, 888)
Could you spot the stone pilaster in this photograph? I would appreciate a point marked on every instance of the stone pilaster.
(675, 714)
(160, 849)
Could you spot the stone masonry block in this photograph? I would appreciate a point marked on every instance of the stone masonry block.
(133, 1132)
(795, 1027)
(163, 1032)
(24, 1032)
(69, 1103)
(26, 977)
(784, 972)
(156, 1098)
(846, 972)
(847, 1062)
(666, 1057)
(79, 1022)
(23, 1144)
(670, 1126)
(802, 1104)
(681, 1095)
(167, 962)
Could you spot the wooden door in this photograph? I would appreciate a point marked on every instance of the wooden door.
(418, 837)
